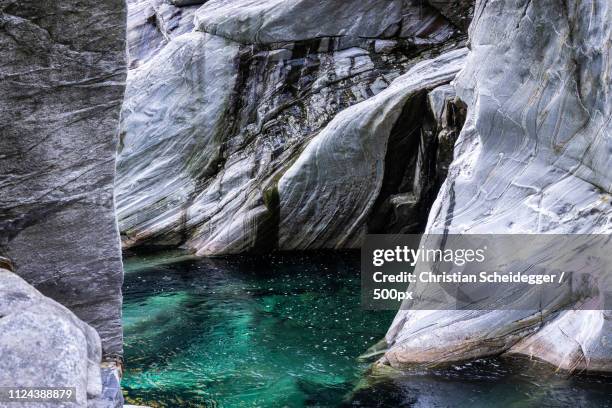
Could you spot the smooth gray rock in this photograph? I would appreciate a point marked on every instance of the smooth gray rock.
(533, 157)
(174, 120)
(143, 35)
(43, 344)
(199, 169)
(274, 21)
(61, 88)
(172, 20)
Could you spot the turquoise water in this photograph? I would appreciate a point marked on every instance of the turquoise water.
(264, 332)
(286, 330)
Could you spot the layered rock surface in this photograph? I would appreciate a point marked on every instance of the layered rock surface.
(214, 120)
(327, 196)
(533, 157)
(61, 88)
(279, 21)
(300, 125)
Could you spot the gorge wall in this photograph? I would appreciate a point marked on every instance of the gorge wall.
(251, 126)
(266, 125)
(61, 87)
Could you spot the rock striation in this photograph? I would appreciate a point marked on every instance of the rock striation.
(281, 21)
(61, 88)
(215, 119)
(151, 24)
(533, 157)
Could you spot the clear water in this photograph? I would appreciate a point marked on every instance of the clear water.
(286, 330)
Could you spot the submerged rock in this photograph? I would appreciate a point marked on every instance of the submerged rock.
(213, 121)
(533, 157)
(61, 88)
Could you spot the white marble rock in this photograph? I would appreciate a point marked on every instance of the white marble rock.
(211, 122)
(534, 157)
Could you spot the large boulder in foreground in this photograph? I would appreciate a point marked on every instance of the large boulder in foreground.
(61, 88)
(43, 344)
(533, 157)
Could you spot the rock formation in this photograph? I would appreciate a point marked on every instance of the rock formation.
(322, 205)
(303, 124)
(61, 88)
(151, 24)
(214, 120)
(43, 344)
(533, 157)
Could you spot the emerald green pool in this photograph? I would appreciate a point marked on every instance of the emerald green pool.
(285, 331)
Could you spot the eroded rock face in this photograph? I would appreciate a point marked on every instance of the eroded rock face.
(276, 21)
(328, 195)
(61, 88)
(533, 157)
(43, 344)
(213, 121)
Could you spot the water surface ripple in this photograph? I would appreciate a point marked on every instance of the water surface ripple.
(285, 331)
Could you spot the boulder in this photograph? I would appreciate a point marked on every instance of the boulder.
(43, 344)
